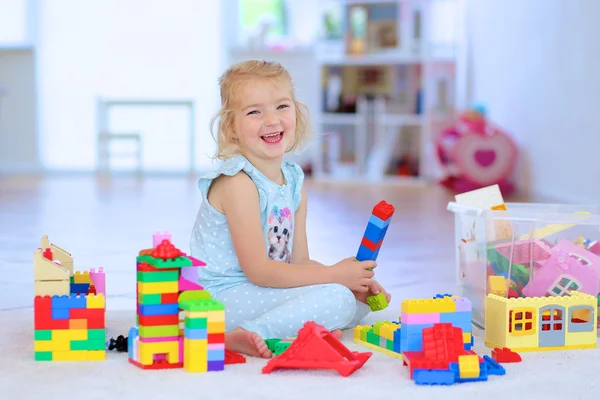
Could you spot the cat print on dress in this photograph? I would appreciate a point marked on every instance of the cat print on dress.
(280, 229)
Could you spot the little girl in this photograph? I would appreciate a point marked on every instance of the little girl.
(251, 226)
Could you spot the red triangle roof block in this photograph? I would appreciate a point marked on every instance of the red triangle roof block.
(316, 348)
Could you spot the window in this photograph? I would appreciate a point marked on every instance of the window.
(254, 12)
(581, 319)
(564, 285)
(521, 321)
(552, 319)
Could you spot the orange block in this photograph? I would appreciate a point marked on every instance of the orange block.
(78, 324)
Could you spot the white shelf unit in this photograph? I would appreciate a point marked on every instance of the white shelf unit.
(375, 128)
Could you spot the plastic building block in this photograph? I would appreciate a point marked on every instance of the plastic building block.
(493, 367)
(69, 318)
(317, 348)
(377, 302)
(505, 355)
(161, 340)
(541, 323)
(231, 357)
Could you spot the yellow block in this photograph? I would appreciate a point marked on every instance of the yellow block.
(497, 285)
(149, 349)
(69, 334)
(95, 301)
(425, 306)
(82, 277)
(387, 330)
(466, 337)
(52, 345)
(158, 287)
(79, 355)
(216, 327)
(195, 354)
(468, 366)
(216, 316)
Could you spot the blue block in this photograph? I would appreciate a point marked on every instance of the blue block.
(397, 346)
(195, 333)
(374, 233)
(60, 313)
(80, 288)
(68, 302)
(378, 222)
(365, 254)
(492, 366)
(133, 333)
(442, 296)
(460, 320)
(433, 377)
(483, 375)
(216, 355)
(159, 309)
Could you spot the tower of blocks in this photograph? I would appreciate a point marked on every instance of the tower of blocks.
(69, 308)
(166, 285)
(371, 244)
(395, 337)
(204, 335)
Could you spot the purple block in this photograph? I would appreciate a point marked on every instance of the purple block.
(462, 304)
(216, 365)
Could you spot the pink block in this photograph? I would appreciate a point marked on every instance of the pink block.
(525, 251)
(216, 346)
(184, 285)
(418, 319)
(195, 261)
(160, 339)
(158, 237)
(99, 280)
(463, 304)
(567, 261)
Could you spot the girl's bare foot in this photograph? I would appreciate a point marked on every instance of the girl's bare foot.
(337, 333)
(246, 342)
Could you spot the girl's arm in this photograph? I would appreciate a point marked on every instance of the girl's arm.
(237, 197)
(300, 249)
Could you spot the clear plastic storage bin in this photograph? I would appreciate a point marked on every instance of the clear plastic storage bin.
(529, 250)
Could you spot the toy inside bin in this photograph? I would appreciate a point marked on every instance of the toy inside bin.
(528, 250)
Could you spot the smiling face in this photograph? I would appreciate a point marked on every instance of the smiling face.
(265, 118)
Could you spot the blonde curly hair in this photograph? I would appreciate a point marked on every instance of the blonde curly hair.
(229, 84)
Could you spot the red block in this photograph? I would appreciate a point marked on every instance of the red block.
(216, 338)
(370, 244)
(42, 315)
(169, 298)
(383, 210)
(505, 355)
(158, 320)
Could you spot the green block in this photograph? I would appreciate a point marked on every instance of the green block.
(178, 262)
(281, 346)
(42, 335)
(149, 299)
(43, 356)
(194, 295)
(195, 323)
(201, 305)
(389, 344)
(158, 276)
(97, 334)
(377, 327)
(373, 338)
(88, 345)
(158, 331)
(377, 302)
(272, 344)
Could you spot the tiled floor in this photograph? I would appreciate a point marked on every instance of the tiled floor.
(105, 223)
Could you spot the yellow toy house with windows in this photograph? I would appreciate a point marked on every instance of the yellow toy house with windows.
(541, 323)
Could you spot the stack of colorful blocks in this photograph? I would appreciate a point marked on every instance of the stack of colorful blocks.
(370, 245)
(204, 335)
(160, 339)
(69, 308)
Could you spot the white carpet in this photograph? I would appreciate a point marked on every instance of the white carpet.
(552, 375)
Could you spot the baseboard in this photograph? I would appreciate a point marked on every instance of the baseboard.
(21, 169)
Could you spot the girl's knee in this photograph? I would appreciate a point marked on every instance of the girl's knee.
(340, 301)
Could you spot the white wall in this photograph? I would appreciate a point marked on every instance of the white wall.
(536, 65)
(133, 49)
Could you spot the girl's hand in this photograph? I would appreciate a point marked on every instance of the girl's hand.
(374, 289)
(355, 275)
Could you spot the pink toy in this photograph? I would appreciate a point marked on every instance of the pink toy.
(475, 154)
(569, 268)
(99, 279)
(158, 237)
(522, 251)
